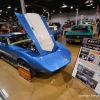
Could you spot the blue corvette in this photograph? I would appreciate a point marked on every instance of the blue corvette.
(35, 49)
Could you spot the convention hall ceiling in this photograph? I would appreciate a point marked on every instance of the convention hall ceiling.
(8, 7)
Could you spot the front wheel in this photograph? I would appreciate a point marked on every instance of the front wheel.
(24, 64)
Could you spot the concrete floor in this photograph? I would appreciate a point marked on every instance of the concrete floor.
(44, 86)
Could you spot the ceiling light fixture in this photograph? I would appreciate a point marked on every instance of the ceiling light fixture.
(9, 7)
(15, 8)
(26, 5)
(89, 1)
(53, 10)
(0, 10)
(88, 5)
(64, 6)
(91, 4)
(71, 7)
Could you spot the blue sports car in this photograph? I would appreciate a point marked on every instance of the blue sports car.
(56, 32)
(36, 49)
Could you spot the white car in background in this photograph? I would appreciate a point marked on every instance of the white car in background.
(88, 23)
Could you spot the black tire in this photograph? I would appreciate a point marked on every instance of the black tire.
(23, 63)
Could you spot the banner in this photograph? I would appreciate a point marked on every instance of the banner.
(87, 67)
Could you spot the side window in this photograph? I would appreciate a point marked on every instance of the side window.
(4, 40)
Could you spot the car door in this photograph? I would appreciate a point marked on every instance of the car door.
(5, 49)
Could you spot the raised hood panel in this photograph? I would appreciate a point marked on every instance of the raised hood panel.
(38, 31)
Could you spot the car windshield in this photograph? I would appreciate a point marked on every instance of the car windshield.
(18, 38)
(80, 28)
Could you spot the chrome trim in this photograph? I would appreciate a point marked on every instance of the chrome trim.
(8, 54)
(14, 64)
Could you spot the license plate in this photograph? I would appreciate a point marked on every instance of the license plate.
(77, 40)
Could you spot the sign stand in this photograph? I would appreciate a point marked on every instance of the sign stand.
(24, 72)
(87, 67)
(68, 85)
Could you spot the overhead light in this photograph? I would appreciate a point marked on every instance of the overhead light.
(15, 8)
(53, 10)
(0, 10)
(9, 7)
(88, 5)
(91, 4)
(26, 5)
(6, 12)
(93, 7)
(89, 1)
(71, 7)
(64, 6)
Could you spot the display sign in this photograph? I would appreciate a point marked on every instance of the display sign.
(87, 67)
(24, 72)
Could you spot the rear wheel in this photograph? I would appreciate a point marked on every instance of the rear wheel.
(24, 64)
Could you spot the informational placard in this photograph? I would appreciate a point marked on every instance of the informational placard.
(87, 67)
(24, 72)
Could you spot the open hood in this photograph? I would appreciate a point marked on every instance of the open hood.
(39, 32)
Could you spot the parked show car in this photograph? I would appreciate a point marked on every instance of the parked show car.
(88, 23)
(56, 32)
(78, 32)
(36, 49)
